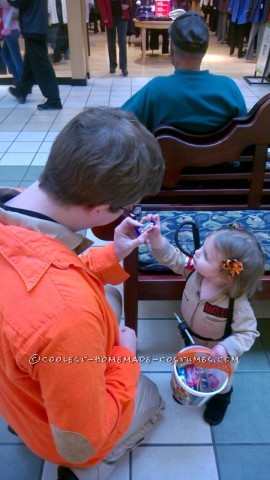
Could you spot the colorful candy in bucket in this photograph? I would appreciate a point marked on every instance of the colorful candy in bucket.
(197, 376)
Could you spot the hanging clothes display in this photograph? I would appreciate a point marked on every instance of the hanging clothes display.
(239, 24)
(258, 13)
(222, 25)
(58, 32)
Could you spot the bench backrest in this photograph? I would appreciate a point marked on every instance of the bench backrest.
(231, 160)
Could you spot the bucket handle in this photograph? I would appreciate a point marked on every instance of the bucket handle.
(205, 362)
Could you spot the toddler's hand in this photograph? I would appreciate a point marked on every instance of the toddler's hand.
(218, 351)
(154, 236)
(152, 218)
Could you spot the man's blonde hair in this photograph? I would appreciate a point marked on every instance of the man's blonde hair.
(103, 156)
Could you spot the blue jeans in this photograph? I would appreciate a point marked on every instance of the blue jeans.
(121, 26)
(11, 55)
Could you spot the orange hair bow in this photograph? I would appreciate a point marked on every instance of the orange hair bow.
(233, 266)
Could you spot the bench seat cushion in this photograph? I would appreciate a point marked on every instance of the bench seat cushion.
(257, 221)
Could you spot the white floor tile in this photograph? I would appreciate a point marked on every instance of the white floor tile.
(51, 136)
(174, 463)
(180, 424)
(14, 127)
(4, 146)
(49, 114)
(18, 147)
(99, 97)
(97, 102)
(69, 112)
(154, 309)
(8, 136)
(49, 471)
(75, 103)
(115, 103)
(57, 127)
(45, 147)
(158, 342)
(121, 471)
(31, 136)
(40, 159)
(18, 115)
(17, 159)
(32, 127)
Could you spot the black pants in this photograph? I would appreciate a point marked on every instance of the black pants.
(237, 37)
(38, 69)
(62, 43)
(154, 40)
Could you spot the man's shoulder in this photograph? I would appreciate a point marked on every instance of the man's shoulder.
(158, 83)
(160, 80)
(222, 79)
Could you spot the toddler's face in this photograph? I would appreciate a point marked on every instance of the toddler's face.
(208, 261)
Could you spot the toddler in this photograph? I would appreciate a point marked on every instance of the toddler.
(226, 271)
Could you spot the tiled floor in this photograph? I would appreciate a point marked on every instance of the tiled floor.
(182, 446)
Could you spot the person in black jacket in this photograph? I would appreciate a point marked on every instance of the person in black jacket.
(33, 17)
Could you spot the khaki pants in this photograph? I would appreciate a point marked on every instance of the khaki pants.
(148, 410)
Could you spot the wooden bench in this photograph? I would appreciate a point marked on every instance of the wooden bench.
(221, 172)
(219, 167)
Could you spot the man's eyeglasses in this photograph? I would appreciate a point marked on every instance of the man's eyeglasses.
(136, 210)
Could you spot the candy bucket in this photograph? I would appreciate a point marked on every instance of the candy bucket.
(197, 377)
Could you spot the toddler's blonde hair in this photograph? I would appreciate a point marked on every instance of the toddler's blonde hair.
(242, 245)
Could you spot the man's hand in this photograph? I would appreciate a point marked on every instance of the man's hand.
(128, 339)
(126, 239)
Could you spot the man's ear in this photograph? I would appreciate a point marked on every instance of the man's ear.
(97, 209)
(171, 53)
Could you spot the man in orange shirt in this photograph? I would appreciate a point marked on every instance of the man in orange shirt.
(69, 379)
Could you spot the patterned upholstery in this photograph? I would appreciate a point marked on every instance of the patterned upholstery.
(257, 221)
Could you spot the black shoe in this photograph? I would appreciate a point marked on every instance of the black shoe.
(216, 408)
(65, 473)
(15, 93)
(112, 70)
(176, 399)
(50, 106)
(124, 72)
(10, 429)
(242, 54)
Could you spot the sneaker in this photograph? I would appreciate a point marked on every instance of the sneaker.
(64, 473)
(50, 106)
(216, 408)
(15, 93)
(112, 70)
(125, 72)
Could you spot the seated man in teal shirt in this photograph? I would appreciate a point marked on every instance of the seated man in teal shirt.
(191, 99)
